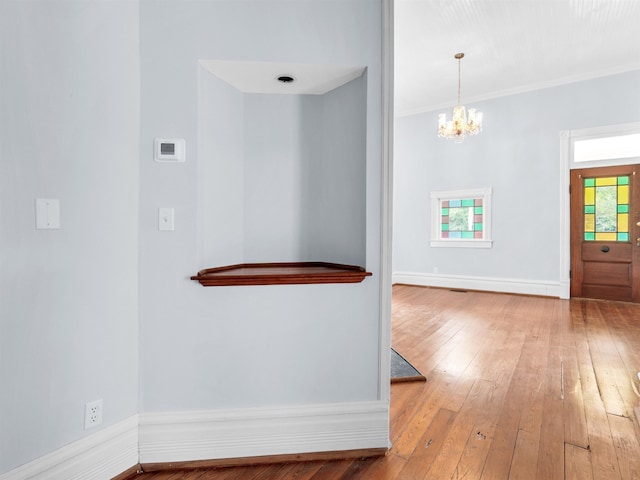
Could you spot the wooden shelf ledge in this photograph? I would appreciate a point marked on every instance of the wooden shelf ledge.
(280, 274)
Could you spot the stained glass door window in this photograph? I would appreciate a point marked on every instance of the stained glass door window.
(606, 209)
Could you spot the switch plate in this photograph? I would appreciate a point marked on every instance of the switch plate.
(165, 219)
(47, 213)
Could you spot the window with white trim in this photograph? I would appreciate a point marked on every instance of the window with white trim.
(461, 218)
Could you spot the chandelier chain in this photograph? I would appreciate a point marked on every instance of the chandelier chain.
(460, 125)
(459, 70)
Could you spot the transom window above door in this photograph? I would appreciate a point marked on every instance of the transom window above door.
(606, 148)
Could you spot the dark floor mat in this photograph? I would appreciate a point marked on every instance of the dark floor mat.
(403, 371)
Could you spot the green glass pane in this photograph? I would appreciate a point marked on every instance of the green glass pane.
(589, 209)
(445, 211)
(623, 180)
(477, 210)
(589, 236)
(589, 182)
(623, 208)
(477, 227)
(606, 209)
(468, 202)
(445, 227)
(623, 237)
(467, 234)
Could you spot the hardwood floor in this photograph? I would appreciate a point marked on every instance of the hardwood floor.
(517, 387)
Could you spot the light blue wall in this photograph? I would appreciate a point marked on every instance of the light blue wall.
(103, 308)
(335, 181)
(69, 130)
(273, 167)
(518, 155)
(208, 348)
(221, 171)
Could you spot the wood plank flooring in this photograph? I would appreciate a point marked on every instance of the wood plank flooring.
(518, 387)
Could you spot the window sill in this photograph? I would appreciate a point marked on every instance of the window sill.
(280, 274)
(462, 243)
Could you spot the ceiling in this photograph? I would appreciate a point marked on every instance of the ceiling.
(510, 46)
(282, 78)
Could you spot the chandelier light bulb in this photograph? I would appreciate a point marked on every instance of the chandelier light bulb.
(460, 124)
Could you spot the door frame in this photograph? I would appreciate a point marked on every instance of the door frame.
(567, 140)
(386, 214)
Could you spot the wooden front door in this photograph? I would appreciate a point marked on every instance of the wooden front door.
(605, 233)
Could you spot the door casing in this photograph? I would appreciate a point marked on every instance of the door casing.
(566, 164)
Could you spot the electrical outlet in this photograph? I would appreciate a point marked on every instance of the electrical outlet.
(93, 414)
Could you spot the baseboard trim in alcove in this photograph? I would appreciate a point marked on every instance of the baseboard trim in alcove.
(258, 432)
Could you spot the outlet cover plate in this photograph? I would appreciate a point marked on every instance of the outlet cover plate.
(93, 414)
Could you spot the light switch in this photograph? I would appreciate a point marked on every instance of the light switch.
(47, 213)
(165, 219)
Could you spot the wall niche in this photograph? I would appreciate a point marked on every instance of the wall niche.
(282, 167)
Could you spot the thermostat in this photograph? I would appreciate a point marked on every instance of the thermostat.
(168, 150)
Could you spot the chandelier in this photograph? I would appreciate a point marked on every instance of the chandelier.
(460, 124)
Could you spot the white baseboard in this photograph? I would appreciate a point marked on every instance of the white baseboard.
(100, 456)
(505, 285)
(210, 435)
(221, 434)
